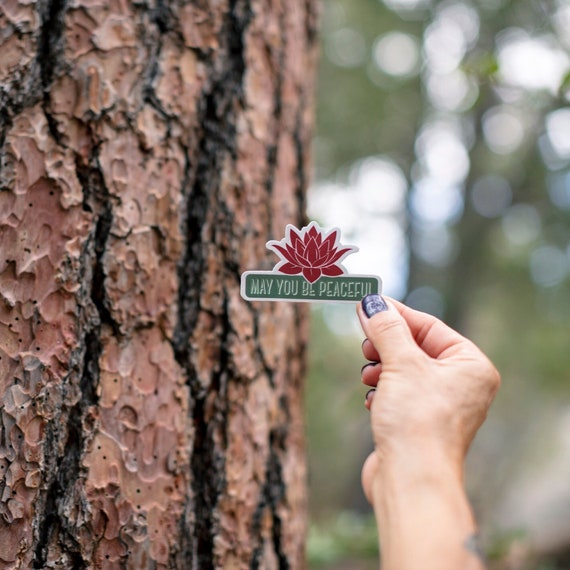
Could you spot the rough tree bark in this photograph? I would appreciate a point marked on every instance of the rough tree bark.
(150, 418)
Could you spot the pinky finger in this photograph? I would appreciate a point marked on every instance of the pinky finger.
(369, 397)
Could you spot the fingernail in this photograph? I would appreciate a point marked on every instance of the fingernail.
(369, 395)
(367, 365)
(373, 304)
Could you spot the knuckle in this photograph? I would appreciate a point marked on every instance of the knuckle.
(492, 376)
(381, 327)
(496, 379)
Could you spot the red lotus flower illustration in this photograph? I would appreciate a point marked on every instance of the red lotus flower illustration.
(310, 252)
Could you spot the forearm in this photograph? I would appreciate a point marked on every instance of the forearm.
(424, 518)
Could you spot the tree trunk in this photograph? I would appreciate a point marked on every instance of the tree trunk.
(150, 418)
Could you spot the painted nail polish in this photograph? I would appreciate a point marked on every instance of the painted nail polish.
(373, 304)
(367, 365)
(369, 395)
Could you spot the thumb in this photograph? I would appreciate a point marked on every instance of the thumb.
(385, 327)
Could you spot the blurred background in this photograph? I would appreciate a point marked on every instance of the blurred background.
(442, 151)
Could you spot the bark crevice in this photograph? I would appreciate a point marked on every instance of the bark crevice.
(217, 107)
(161, 17)
(98, 200)
(55, 527)
(208, 457)
(24, 90)
(200, 188)
(271, 496)
(50, 44)
(299, 143)
(49, 41)
(273, 146)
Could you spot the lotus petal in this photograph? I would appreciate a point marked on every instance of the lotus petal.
(311, 274)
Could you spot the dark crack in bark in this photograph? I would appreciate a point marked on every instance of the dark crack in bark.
(50, 50)
(54, 527)
(271, 496)
(217, 107)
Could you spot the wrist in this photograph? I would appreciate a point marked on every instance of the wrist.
(419, 500)
(401, 482)
(411, 480)
(422, 461)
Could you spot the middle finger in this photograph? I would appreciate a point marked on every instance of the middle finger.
(370, 353)
(370, 373)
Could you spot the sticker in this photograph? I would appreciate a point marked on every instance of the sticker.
(309, 269)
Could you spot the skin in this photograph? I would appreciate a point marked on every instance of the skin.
(433, 388)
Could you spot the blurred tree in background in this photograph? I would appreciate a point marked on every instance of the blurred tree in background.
(443, 152)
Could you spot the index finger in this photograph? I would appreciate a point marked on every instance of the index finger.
(433, 336)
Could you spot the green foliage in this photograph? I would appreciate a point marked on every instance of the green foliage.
(498, 265)
(360, 111)
(349, 536)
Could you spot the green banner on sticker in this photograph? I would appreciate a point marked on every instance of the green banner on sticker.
(270, 286)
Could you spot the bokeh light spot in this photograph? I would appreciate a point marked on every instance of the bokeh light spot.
(443, 153)
(530, 62)
(558, 130)
(435, 245)
(452, 91)
(559, 189)
(396, 54)
(406, 6)
(462, 15)
(346, 48)
(503, 130)
(436, 203)
(444, 45)
(380, 185)
(548, 266)
(491, 195)
(521, 224)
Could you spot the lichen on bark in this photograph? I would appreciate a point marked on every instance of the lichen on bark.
(149, 417)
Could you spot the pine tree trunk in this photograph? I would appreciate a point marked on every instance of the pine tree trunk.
(150, 418)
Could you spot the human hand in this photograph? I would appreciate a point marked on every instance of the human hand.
(433, 388)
